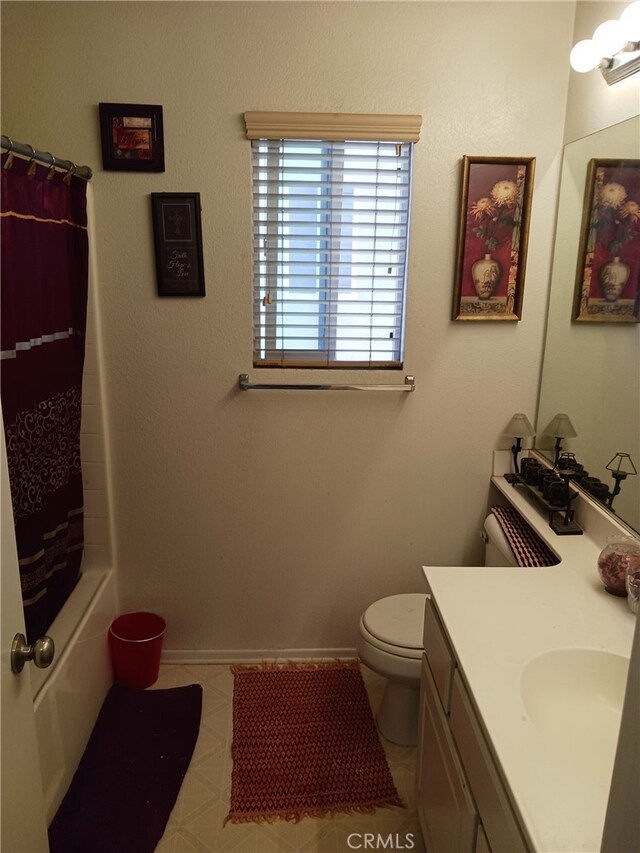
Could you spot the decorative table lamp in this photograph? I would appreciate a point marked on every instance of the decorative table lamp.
(621, 467)
(560, 427)
(518, 428)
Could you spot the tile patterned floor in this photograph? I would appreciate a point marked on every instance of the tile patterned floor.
(196, 823)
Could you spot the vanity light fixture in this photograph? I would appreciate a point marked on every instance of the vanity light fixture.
(621, 467)
(518, 428)
(614, 47)
(560, 427)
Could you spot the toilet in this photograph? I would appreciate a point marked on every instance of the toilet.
(390, 643)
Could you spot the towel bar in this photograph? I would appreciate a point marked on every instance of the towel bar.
(245, 385)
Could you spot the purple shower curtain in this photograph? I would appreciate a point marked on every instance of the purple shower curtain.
(44, 307)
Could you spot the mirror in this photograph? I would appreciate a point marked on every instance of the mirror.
(591, 371)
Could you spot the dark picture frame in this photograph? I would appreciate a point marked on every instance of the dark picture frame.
(177, 233)
(607, 288)
(132, 137)
(493, 235)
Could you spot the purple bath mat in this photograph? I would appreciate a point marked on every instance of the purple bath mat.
(129, 777)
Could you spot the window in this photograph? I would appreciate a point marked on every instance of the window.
(330, 245)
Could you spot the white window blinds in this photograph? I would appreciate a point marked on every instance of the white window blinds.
(330, 238)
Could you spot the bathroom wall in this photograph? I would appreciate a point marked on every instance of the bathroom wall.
(269, 520)
(94, 443)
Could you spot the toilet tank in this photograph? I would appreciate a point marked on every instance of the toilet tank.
(497, 551)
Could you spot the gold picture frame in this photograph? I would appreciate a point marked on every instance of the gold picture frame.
(607, 288)
(493, 235)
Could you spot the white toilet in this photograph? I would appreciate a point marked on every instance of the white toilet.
(390, 643)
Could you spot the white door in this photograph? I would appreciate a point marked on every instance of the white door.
(23, 826)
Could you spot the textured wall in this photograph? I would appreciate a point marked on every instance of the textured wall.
(270, 520)
(94, 445)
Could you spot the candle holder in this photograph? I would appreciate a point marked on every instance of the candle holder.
(562, 521)
(551, 488)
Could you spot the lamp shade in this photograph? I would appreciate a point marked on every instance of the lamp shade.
(561, 427)
(519, 427)
(621, 464)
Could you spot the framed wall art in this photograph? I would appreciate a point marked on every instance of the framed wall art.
(493, 231)
(132, 137)
(608, 276)
(177, 233)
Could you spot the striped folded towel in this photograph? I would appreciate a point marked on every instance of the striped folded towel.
(528, 548)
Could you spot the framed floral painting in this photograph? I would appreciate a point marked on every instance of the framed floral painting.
(608, 277)
(493, 233)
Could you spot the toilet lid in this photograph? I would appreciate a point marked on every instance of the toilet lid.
(397, 620)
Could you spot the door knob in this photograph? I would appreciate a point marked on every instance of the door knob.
(41, 652)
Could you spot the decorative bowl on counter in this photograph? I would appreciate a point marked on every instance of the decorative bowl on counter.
(619, 557)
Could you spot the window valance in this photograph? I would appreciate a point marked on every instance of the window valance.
(333, 126)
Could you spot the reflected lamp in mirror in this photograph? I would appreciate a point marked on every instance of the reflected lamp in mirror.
(518, 428)
(621, 467)
(560, 427)
(567, 462)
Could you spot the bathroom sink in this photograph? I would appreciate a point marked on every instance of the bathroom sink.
(574, 699)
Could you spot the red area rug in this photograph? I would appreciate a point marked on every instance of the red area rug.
(305, 744)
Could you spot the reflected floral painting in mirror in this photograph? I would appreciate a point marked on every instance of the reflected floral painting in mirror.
(492, 241)
(608, 276)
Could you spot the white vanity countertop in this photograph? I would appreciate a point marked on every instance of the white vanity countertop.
(497, 620)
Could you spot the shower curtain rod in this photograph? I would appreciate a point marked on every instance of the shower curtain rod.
(45, 157)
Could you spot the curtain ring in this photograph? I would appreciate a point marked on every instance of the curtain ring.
(69, 174)
(52, 168)
(31, 168)
(8, 163)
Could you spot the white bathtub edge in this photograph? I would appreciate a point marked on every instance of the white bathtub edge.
(68, 702)
(66, 626)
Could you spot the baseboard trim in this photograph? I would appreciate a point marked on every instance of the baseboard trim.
(229, 656)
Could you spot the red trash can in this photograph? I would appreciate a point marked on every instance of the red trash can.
(135, 640)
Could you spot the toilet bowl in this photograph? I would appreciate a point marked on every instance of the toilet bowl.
(390, 643)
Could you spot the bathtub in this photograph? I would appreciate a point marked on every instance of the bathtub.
(68, 695)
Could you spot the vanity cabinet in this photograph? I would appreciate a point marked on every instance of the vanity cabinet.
(446, 810)
(462, 803)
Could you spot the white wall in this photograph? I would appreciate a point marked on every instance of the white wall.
(94, 444)
(270, 520)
